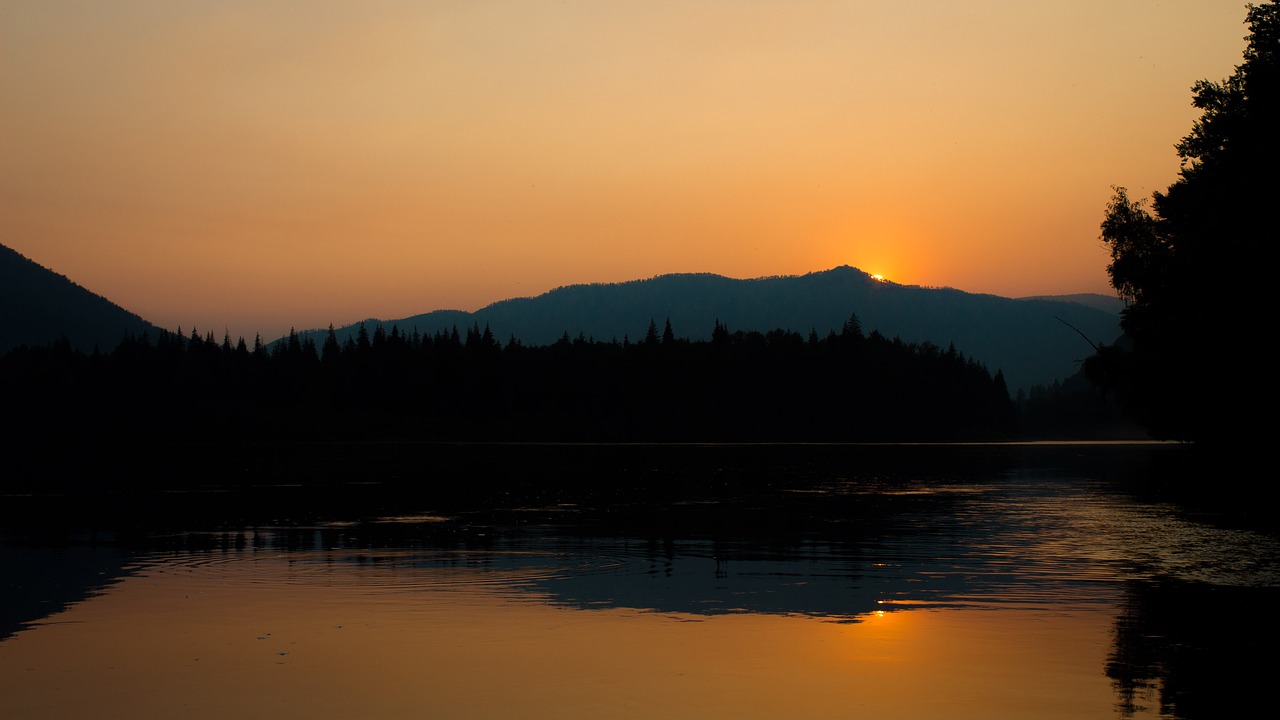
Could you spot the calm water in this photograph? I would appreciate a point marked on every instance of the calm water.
(689, 582)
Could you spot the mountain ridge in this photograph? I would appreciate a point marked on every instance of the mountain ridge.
(39, 306)
(1032, 340)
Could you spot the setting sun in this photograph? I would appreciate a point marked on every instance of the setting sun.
(257, 166)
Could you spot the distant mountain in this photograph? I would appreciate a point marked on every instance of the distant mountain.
(39, 306)
(1028, 339)
(1106, 303)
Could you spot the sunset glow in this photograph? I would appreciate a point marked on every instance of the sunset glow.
(330, 649)
(257, 166)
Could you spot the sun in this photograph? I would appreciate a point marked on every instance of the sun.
(879, 278)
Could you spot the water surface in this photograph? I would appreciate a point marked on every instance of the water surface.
(713, 582)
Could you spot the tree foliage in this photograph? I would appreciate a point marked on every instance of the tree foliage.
(1189, 263)
(742, 385)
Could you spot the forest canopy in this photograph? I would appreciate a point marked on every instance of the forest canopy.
(738, 386)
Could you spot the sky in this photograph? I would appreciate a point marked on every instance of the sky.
(251, 166)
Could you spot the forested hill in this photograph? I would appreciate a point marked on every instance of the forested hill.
(1023, 338)
(39, 307)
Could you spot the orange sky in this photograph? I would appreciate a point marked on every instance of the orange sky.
(260, 165)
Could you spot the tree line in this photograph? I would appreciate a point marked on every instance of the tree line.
(391, 384)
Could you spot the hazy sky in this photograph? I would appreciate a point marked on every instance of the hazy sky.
(259, 165)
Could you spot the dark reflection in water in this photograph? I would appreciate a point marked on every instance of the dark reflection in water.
(825, 531)
(1195, 650)
(43, 576)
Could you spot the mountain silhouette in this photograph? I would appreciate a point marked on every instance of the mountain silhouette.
(39, 307)
(1107, 303)
(1034, 341)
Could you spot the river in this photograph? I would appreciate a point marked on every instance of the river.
(479, 581)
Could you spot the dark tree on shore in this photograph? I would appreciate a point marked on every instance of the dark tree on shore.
(1190, 262)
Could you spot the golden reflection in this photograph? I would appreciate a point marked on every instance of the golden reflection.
(219, 640)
